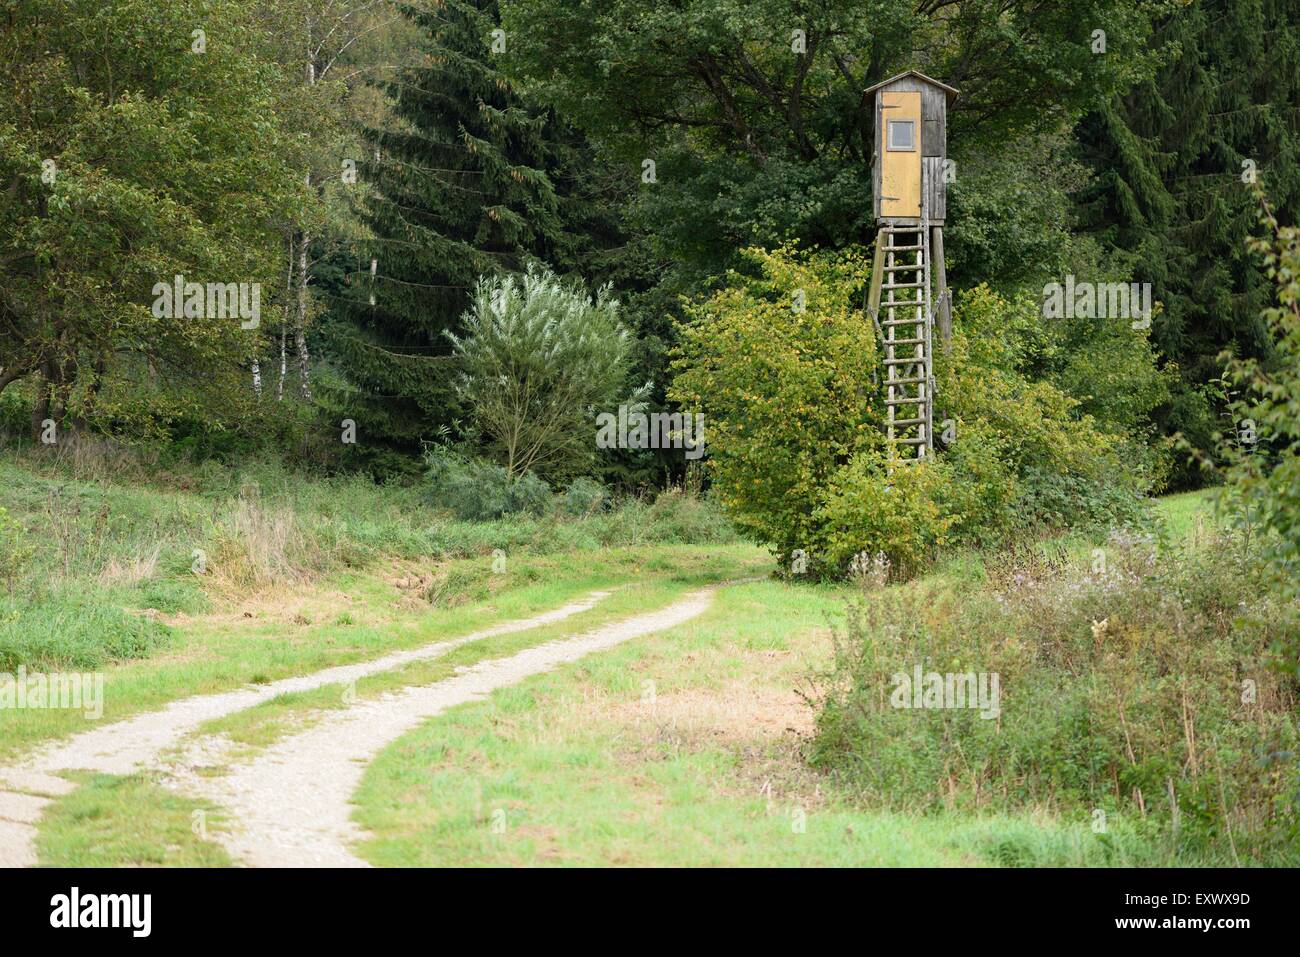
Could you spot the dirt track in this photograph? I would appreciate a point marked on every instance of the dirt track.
(137, 743)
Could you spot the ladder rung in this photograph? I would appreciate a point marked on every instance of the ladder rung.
(903, 249)
(903, 322)
(901, 285)
(907, 400)
(917, 441)
(908, 381)
(903, 342)
(914, 360)
(898, 422)
(906, 267)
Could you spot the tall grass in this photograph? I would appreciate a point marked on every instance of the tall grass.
(1138, 690)
(127, 536)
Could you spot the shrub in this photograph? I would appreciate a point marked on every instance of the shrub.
(15, 416)
(784, 369)
(584, 497)
(1049, 501)
(536, 359)
(779, 363)
(681, 518)
(900, 515)
(1264, 474)
(476, 491)
(1136, 685)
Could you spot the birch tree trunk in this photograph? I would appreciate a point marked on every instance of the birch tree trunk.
(300, 326)
(304, 240)
(284, 320)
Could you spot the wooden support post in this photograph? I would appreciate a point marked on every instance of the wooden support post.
(943, 299)
(877, 275)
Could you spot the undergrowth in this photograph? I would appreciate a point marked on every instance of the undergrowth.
(1137, 693)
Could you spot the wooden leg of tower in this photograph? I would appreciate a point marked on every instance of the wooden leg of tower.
(923, 349)
(877, 276)
(944, 310)
(890, 373)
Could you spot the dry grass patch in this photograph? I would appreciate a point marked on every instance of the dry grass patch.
(140, 567)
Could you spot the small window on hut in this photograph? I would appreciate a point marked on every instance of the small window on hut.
(902, 136)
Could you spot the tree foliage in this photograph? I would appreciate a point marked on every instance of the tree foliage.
(1174, 158)
(756, 142)
(1263, 454)
(794, 412)
(467, 178)
(129, 156)
(781, 365)
(535, 362)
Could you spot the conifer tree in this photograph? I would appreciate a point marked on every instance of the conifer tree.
(468, 180)
(1175, 159)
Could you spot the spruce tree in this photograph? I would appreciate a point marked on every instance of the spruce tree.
(1173, 160)
(468, 179)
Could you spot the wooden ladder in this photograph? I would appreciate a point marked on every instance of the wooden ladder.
(907, 331)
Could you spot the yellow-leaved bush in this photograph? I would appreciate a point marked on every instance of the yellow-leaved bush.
(780, 363)
(784, 367)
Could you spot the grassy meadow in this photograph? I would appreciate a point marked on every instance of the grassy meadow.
(723, 741)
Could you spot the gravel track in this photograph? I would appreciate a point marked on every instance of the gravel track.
(136, 743)
(291, 806)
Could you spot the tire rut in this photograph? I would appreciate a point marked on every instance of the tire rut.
(137, 743)
(291, 806)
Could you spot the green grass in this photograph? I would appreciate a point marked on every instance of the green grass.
(266, 723)
(129, 821)
(577, 767)
(225, 651)
(80, 526)
(90, 559)
(571, 767)
(1180, 513)
(119, 821)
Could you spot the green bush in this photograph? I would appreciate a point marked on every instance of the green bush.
(476, 491)
(901, 514)
(780, 365)
(1135, 683)
(1048, 501)
(15, 416)
(1264, 474)
(584, 497)
(784, 368)
(680, 518)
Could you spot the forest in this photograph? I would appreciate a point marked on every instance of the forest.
(333, 328)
